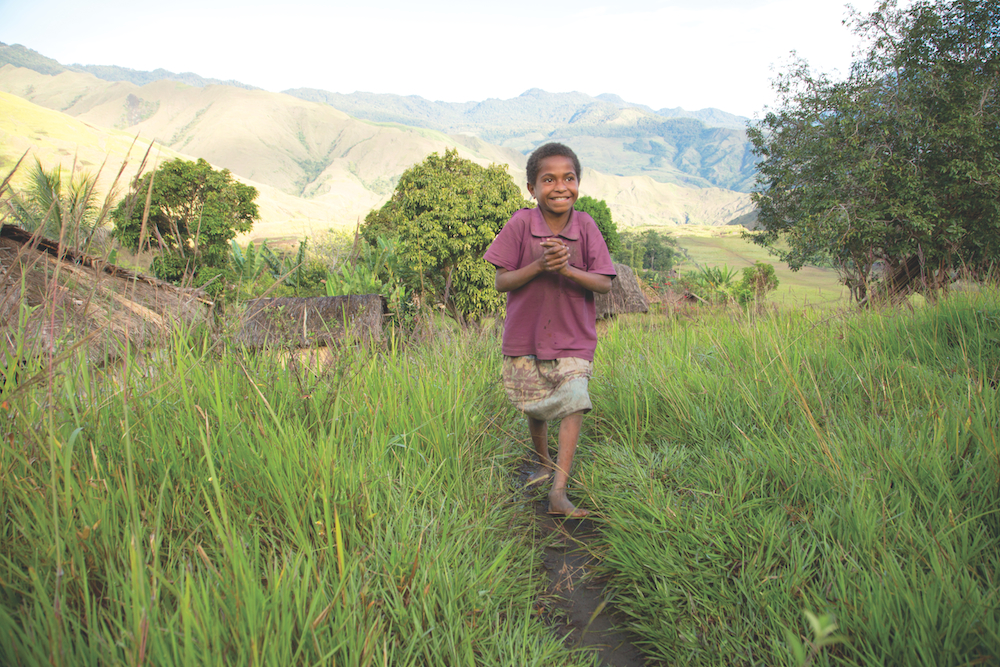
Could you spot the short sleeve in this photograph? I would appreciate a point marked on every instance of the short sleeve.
(505, 250)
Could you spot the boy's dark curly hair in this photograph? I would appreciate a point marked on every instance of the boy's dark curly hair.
(550, 150)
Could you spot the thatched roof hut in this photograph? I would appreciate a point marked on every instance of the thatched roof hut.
(308, 322)
(74, 299)
(625, 296)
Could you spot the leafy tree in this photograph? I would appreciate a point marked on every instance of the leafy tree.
(444, 214)
(599, 211)
(758, 281)
(898, 166)
(57, 210)
(647, 251)
(194, 214)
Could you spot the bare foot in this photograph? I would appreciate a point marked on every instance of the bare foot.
(560, 505)
(541, 475)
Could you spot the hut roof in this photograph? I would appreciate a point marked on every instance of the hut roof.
(625, 296)
(71, 298)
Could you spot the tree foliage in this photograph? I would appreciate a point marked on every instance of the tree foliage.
(897, 167)
(444, 214)
(649, 250)
(758, 281)
(599, 211)
(194, 214)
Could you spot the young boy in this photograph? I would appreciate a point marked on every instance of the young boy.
(550, 260)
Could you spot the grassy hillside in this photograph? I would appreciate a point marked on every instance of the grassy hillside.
(55, 138)
(639, 200)
(292, 145)
(58, 139)
(311, 151)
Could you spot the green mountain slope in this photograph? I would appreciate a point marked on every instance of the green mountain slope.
(57, 139)
(694, 149)
(330, 169)
(296, 146)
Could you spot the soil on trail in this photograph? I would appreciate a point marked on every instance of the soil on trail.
(587, 616)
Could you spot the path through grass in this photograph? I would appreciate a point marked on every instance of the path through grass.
(219, 507)
(203, 504)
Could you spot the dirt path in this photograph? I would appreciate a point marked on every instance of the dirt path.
(577, 592)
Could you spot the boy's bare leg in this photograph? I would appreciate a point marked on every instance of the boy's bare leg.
(569, 434)
(540, 439)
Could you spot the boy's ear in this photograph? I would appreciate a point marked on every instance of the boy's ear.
(531, 189)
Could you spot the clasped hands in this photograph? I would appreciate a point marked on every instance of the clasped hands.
(555, 259)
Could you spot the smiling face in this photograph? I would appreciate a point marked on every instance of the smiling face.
(556, 187)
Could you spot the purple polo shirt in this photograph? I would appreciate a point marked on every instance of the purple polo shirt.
(551, 316)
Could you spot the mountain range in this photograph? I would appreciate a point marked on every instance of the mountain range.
(324, 160)
(695, 149)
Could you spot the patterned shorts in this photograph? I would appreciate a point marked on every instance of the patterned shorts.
(547, 389)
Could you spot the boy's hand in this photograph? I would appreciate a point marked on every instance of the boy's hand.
(555, 259)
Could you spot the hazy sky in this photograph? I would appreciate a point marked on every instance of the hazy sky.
(662, 53)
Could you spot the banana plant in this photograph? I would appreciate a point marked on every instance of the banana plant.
(373, 271)
(248, 264)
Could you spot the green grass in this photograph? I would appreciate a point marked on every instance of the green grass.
(752, 469)
(200, 504)
(210, 506)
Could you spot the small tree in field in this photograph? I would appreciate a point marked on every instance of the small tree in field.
(647, 251)
(758, 281)
(444, 214)
(194, 214)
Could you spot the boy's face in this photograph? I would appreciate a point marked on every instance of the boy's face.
(557, 185)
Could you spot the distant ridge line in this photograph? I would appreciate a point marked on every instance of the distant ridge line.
(21, 56)
(439, 115)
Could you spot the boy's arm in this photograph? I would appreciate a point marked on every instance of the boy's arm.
(555, 259)
(507, 281)
(595, 282)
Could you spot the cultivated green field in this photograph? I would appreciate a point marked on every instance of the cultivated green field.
(718, 246)
(204, 505)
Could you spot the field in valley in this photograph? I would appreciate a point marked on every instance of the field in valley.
(723, 246)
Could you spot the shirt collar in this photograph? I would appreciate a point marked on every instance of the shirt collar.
(570, 232)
